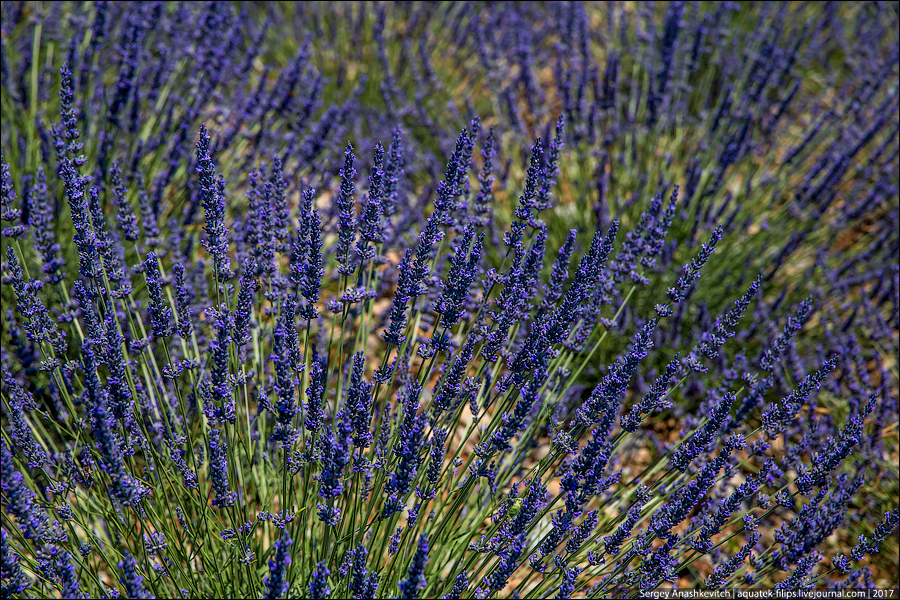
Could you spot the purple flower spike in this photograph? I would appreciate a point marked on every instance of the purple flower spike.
(277, 583)
(132, 579)
(412, 585)
(318, 584)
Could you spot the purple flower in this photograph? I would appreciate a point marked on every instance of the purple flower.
(814, 522)
(233, 395)
(335, 456)
(176, 455)
(182, 303)
(412, 585)
(497, 579)
(513, 422)
(585, 478)
(448, 386)
(315, 395)
(261, 212)
(318, 584)
(574, 301)
(39, 326)
(778, 417)
(682, 502)
(395, 541)
(659, 566)
(130, 49)
(604, 401)
(65, 512)
(41, 220)
(444, 206)
(346, 207)
(652, 400)
(437, 456)
(218, 470)
(371, 226)
(581, 533)
(518, 525)
(406, 290)
(713, 523)
(56, 565)
(692, 269)
(835, 451)
(160, 314)
(363, 584)
(256, 221)
(242, 312)
(459, 587)
(658, 230)
(20, 432)
(277, 583)
(120, 400)
(281, 216)
(636, 246)
(465, 160)
(107, 244)
(14, 579)
(534, 176)
(68, 132)
(797, 579)
(284, 434)
(124, 213)
(406, 449)
(131, 578)
(155, 542)
(725, 325)
(613, 542)
(562, 524)
(881, 533)
(794, 324)
(723, 572)
(462, 271)
(393, 173)
(842, 564)
(8, 211)
(509, 304)
(123, 486)
(702, 437)
(312, 269)
(570, 579)
(550, 171)
(481, 205)
(85, 241)
(21, 502)
(218, 401)
(212, 195)
(558, 275)
(359, 402)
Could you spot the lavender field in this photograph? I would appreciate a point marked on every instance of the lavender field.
(449, 299)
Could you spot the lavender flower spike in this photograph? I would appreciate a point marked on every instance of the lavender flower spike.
(412, 585)
(160, 314)
(131, 579)
(318, 584)
(212, 195)
(347, 214)
(218, 468)
(276, 583)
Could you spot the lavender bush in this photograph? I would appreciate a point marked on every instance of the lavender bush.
(594, 301)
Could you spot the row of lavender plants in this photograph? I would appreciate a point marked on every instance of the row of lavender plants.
(636, 326)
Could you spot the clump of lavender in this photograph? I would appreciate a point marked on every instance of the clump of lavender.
(588, 348)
